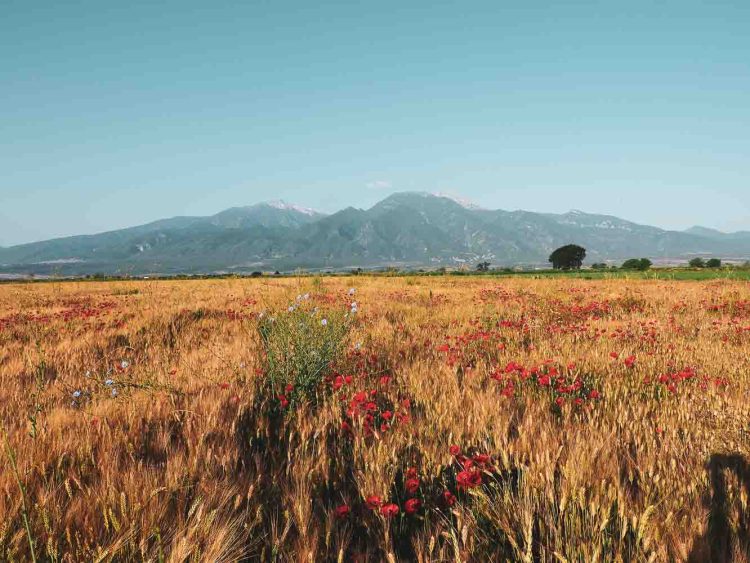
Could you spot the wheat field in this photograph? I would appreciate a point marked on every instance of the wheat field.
(375, 419)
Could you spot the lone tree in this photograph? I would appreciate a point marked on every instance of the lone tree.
(697, 263)
(568, 257)
(641, 264)
(713, 263)
(483, 267)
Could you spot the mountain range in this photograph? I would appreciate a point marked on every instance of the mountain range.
(409, 230)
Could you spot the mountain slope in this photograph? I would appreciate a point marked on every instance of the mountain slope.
(411, 228)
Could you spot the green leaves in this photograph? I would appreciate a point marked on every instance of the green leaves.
(300, 346)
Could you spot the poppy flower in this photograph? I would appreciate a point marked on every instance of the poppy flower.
(343, 511)
(373, 502)
(468, 479)
(412, 505)
(389, 510)
(482, 458)
(455, 450)
(449, 498)
(411, 485)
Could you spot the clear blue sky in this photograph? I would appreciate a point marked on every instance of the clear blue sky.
(117, 113)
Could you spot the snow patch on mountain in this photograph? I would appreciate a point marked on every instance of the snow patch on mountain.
(281, 204)
(463, 202)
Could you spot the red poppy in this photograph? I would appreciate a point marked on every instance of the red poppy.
(343, 511)
(482, 458)
(389, 510)
(412, 505)
(411, 485)
(468, 479)
(359, 397)
(455, 450)
(594, 394)
(449, 498)
(373, 502)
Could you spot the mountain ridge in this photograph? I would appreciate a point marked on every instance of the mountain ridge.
(409, 229)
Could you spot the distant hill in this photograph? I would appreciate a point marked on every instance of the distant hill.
(410, 229)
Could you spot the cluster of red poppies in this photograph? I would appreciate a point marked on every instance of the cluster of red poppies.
(76, 310)
(463, 473)
(674, 378)
(374, 409)
(735, 308)
(560, 382)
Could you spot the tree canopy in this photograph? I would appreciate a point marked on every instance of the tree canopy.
(641, 264)
(568, 257)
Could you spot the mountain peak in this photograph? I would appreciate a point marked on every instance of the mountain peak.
(406, 228)
(462, 201)
(704, 231)
(283, 205)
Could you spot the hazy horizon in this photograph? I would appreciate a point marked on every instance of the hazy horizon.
(115, 115)
(457, 197)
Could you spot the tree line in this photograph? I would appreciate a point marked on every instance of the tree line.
(571, 256)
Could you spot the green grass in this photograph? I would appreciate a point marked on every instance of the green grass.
(688, 274)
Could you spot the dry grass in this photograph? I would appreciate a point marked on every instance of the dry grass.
(195, 459)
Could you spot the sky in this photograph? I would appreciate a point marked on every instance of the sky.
(114, 114)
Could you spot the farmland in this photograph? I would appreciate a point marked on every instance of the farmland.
(443, 418)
